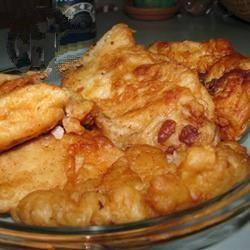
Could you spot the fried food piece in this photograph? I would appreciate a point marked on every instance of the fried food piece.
(225, 65)
(205, 172)
(231, 95)
(213, 60)
(206, 167)
(7, 77)
(228, 81)
(117, 197)
(199, 56)
(135, 94)
(28, 109)
(45, 163)
(176, 121)
(93, 155)
(139, 185)
(38, 164)
(77, 112)
(106, 71)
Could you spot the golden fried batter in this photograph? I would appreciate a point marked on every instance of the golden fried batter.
(148, 102)
(7, 77)
(140, 185)
(28, 109)
(46, 163)
(204, 173)
(116, 198)
(225, 65)
(77, 112)
(213, 60)
(228, 81)
(136, 94)
(199, 56)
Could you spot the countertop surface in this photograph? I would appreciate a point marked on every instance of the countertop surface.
(180, 27)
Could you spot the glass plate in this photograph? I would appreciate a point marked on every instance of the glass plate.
(194, 228)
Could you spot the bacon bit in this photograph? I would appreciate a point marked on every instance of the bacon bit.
(188, 135)
(166, 130)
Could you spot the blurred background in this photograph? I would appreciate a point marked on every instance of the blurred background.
(32, 32)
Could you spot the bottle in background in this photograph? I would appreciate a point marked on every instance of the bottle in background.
(76, 24)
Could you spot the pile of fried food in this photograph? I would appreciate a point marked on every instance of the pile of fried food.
(133, 133)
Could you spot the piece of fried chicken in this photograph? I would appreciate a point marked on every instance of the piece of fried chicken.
(141, 184)
(28, 109)
(47, 162)
(228, 81)
(198, 56)
(140, 99)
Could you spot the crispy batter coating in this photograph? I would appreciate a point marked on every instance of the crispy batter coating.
(46, 163)
(28, 109)
(213, 60)
(199, 56)
(117, 197)
(150, 124)
(204, 172)
(225, 65)
(135, 93)
(228, 81)
(77, 112)
(139, 185)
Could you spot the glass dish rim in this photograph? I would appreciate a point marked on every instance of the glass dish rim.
(126, 227)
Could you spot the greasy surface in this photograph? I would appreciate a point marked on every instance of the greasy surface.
(228, 81)
(213, 61)
(203, 173)
(46, 163)
(225, 65)
(141, 184)
(28, 109)
(135, 92)
(199, 56)
(231, 95)
(76, 114)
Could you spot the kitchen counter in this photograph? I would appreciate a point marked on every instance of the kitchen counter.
(178, 28)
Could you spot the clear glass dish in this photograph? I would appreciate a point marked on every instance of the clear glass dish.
(194, 228)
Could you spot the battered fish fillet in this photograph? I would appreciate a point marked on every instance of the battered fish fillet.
(139, 185)
(28, 109)
(199, 56)
(140, 99)
(45, 163)
(228, 81)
